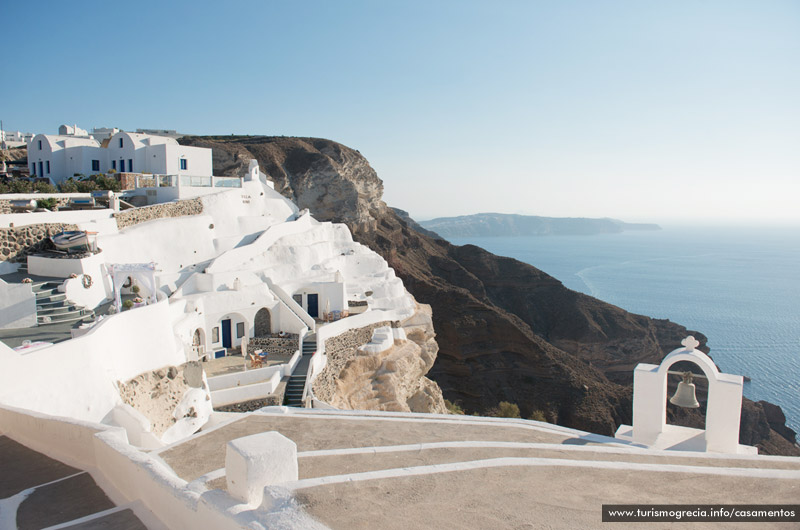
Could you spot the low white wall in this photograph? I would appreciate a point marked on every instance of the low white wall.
(239, 394)
(17, 305)
(326, 331)
(6, 267)
(292, 364)
(63, 267)
(249, 377)
(123, 472)
(76, 378)
(63, 216)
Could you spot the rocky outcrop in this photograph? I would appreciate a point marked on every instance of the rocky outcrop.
(506, 330)
(157, 394)
(333, 181)
(392, 379)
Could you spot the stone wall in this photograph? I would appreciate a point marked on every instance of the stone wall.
(5, 204)
(341, 349)
(285, 346)
(18, 242)
(159, 211)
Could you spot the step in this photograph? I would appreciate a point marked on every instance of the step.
(51, 299)
(40, 287)
(56, 310)
(68, 316)
(77, 318)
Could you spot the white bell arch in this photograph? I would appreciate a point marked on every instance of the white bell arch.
(723, 411)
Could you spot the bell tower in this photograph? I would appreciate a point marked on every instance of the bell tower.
(723, 412)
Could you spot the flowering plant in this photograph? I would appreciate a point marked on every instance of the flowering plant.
(27, 280)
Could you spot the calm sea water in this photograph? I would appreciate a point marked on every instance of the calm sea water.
(740, 287)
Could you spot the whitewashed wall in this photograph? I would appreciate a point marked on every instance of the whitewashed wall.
(17, 306)
(76, 378)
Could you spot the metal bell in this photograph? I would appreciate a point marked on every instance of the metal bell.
(685, 394)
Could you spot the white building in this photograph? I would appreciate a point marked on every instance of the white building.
(59, 157)
(72, 130)
(11, 139)
(101, 133)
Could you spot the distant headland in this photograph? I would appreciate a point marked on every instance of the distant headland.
(499, 224)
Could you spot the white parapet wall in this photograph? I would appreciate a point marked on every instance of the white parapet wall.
(17, 306)
(76, 378)
(125, 473)
(240, 394)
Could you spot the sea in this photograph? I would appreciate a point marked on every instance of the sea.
(738, 286)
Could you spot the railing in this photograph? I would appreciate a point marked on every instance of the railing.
(227, 182)
(196, 182)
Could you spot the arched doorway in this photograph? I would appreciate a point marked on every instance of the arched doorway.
(199, 344)
(262, 323)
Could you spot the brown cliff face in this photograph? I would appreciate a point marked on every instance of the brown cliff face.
(506, 330)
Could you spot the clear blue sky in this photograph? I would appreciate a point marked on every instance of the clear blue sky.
(642, 110)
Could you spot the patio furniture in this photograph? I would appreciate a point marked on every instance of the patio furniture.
(256, 361)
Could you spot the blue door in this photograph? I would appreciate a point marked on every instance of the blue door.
(313, 305)
(226, 333)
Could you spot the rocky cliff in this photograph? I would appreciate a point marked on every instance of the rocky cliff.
(506, 331)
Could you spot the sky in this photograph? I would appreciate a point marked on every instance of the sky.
(646, 111)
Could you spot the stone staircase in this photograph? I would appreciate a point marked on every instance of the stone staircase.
(297, 382)
(52, 307)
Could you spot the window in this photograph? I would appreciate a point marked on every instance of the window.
(47, 165)
(184, 164)
(114, 164)
(298, 298)
(120, 142)
(33, 168)
(130, 165)
(95, 165)
(239, 330)
(40, 145)
(121, 166)
(215, 335)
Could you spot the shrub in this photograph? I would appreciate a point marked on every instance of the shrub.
(453, 408)
(69, 186)
(135, 289)
(538, 415)
(505, 409)
(44, 187)
(50, 204)
(127, 304)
